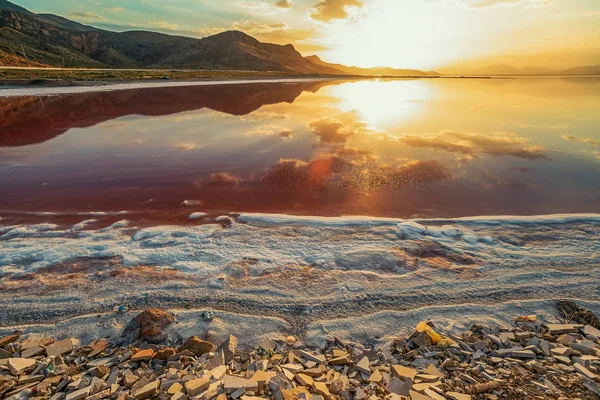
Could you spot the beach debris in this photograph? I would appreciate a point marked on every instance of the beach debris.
(120, 309)
(574, 312)
(528, 360)
(208, 315)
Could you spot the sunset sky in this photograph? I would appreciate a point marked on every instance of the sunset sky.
(424, 34)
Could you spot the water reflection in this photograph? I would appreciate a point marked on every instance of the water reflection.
(385, 148)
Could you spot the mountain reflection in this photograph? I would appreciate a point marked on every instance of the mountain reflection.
(30, 120)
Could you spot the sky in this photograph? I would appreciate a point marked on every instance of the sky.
(423, 34)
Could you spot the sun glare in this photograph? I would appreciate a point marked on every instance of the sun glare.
(395, 101)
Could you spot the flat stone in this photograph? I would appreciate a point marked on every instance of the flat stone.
(322, 390)
(60, 348)
(584, 371)
(364, 365)
(304, 380)
(146, 391)
(523, 354)
(376, 376)
(428, 378)
(458, 396)
(400, 387)
(143, 355)
(418, 396)
(402, 372)
(175, 388)
(19, 365)
(432, 370)
(564, 360)
(589, 330)
(197, 386)
(231, 383)
(318, 358)
(79, 394)
(32, 351)
(558, 329)
(6, 340)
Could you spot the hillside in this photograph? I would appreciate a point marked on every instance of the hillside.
(387, 71)
(28, 39)
(588, 70)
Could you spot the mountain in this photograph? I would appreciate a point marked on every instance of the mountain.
(51, 40)
(382, 71)
(589, 70)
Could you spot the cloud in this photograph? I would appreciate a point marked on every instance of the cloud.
(86, 15)
(186, 146)
(337, 130)
(272, 33)
(284, 4)
(272, 131)
(328, 10)
(498, 144)
(221, 179)
(254, 7)
(580, 140)
(264, 115)
(495, 3)
(163, 25)
(114, 10)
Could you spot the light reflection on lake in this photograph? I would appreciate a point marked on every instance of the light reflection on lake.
(431, 147)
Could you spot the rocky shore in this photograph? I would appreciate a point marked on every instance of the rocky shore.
(528, 360)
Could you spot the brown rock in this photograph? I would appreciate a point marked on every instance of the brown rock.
(8, 339)
(164, 354)
(60, 348)
(196, 346)
(143, 355)
(228, 346)
(152, 324)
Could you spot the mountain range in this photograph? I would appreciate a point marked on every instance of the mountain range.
(28, 39)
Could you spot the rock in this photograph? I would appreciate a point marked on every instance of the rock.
(229, 347)
(143, 355)
(558, 329)
(402, 372)
(197, 386)
(175, 388)
(364, 366)
(147, 391)
(79, 394)
(589, 330)
(322, 390)
(290, 340)
(458, 396)
(304, 380)
(585, 372)
(31, 352)
(231, 383)
(6, 340)
(523, 354)
(19, 365)
(196, 346)
(152, 324)
(376, 377)
(60, 348)
(165, 354)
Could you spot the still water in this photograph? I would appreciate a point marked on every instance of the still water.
(398, 148)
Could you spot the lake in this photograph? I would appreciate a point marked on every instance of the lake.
(387, 148)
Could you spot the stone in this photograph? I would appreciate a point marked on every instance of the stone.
(197, 386)
(79, 394)
(152, 324)
(165, 354)
(402, 372)
(428, 378)
(197, 346)
(98, 347)
(418, 396)
(19, 365)
(60, 348)
(432, 370)
(400, 387)
(143, 355)
(523, 354)
(290, 340)
(376, 377)
(584, 371)
(458, 396)
(231, 383)
(589, 330)
(175, 388)
(558, 329)
(322, 390)
(32, 351)
(147, 391)
(364, 366)
(304, 380)
(6, 340)
(229, 347)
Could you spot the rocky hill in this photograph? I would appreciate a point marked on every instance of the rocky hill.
(46, 39)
